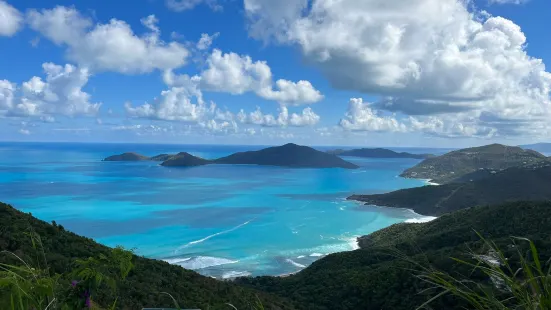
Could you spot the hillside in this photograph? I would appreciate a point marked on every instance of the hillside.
(288, 155)
(453, 165)
(378, 276)
(141, 288)
(378, 153)
(184, 159)
(513, 184)
(127, 157)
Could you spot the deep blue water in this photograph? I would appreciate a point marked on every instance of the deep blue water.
(220, 220)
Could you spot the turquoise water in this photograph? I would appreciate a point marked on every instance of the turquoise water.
(219, 220)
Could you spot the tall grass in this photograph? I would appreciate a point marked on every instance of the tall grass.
(25, 285)
(519, 282)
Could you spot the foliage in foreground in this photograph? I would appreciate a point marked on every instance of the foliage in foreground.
(26, 287)
(519, 282)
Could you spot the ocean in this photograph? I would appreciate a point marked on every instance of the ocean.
(221, 220)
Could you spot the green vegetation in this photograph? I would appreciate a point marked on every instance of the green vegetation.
(381, 275)
(455, 165)
(184, 159)
(378, 153)
(513, 184)
(288, 155)
(59, 257)
(522, 283)
(127, 157)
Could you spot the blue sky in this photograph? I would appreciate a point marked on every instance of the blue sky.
(349, 72)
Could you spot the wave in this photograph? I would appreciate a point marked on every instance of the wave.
(422, 219)
(235, 274)
(200, 262)
(175, 261)
(316, 255)
(211, 236)
(292, 262)
(301, 256)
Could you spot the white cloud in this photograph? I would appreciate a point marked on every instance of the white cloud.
(10, 19)
(507, 1)
(24, 131)
(112, 46)
(150, 22)
(420, 52)
(361, 117)
(174, 104)
(206, 41)
(183, 5)
(59, 94)
(223, 127)
(307, 118)
(235, 74)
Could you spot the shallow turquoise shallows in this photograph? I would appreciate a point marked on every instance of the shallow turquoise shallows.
(221, 220)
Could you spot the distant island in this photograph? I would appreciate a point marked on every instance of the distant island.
(288, 155)
(127, 157)
(377, 153)
(454, 166)
(513, 184)
(540, 147)
(184, 159)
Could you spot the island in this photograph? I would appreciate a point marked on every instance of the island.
(512, 184)
(377, 153)
(127, 157)
(288, 155)
(455, 165)
(184, 159)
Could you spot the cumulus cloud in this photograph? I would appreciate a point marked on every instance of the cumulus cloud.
(59, 94)
(364, 116)
(183, 5)
(307, 118)
(206, 41)
(112, 46)
(360, 117)
(175, 104)
(236, 74)
(10, 19)
(430, 56)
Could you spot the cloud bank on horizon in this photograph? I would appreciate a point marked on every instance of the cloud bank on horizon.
(426, 68)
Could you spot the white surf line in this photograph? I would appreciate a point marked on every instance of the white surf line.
(211, 236)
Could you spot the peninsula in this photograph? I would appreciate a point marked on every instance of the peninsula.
(455, 165)
(513, 184)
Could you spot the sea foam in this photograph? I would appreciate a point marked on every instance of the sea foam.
(292, 262)
(200, 262)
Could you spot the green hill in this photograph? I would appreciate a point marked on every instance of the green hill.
(513, 184)
(378, 276)
(288, 155)
(142, 288)
(454, 165)
(184, 159)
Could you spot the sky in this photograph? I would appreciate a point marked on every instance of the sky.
(432, 73)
